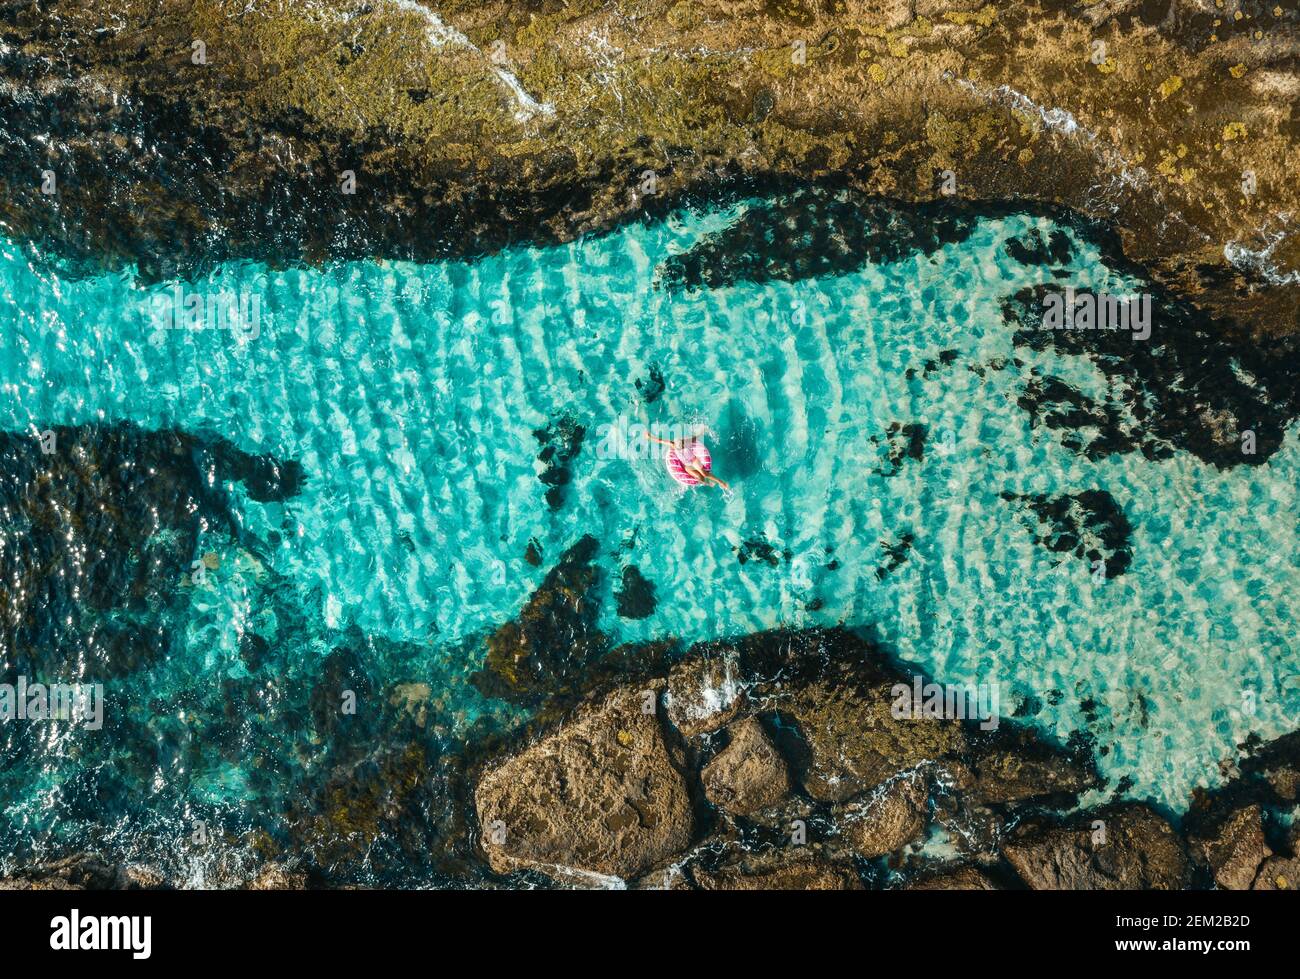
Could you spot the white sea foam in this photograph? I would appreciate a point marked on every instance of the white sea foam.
(1060, 121)
(1259, 260)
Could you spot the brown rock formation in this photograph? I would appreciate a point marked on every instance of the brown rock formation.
(704, 694)
(497, 121)
(1015, 773)
(1125, 847)
(855, 743)
(1234, 849)
(887, 819)
(749, 774)
(600, 795)
(1278, 874)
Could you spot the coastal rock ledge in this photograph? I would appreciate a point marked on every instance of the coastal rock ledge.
(601, 796)
(421, 130)
(774, 761)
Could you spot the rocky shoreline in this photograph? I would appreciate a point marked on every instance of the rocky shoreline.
(807, 783)
(774, 761)
(771, 761)
(184, 134)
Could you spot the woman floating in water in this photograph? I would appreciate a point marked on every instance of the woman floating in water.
(689, 462)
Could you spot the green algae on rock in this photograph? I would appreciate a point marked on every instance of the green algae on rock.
(173, 131)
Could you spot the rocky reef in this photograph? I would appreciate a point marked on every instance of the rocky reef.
(102, 528)
(787, 759)
(181, 134)
(790, 759)
(775, 761)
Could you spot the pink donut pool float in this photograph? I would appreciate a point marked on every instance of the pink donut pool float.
(693, 452)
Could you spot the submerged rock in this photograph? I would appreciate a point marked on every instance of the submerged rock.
(1124, 847)
(1089, 525)
(339, 706)
(759, 549)
(599, 795)
(895, 554)
(651, 386)
(1092, 429)
(548, 648)
(396, 810)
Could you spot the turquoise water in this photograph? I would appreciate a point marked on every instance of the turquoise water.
(411, 394)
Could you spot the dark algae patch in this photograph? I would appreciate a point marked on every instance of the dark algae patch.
(554, 639)
(103, 524)
(651, 386)
(1084, 426)
(560, 442)
(895, 554)
(1031, 249)
(759, 549)
(1089, 525)
(815, 233)
(1195, 384)
(902, 441)
(945, 358)
(636, 596)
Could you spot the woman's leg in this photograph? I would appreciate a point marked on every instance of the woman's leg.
(705, 477)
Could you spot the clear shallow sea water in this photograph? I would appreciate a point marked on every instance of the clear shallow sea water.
(411, 394)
